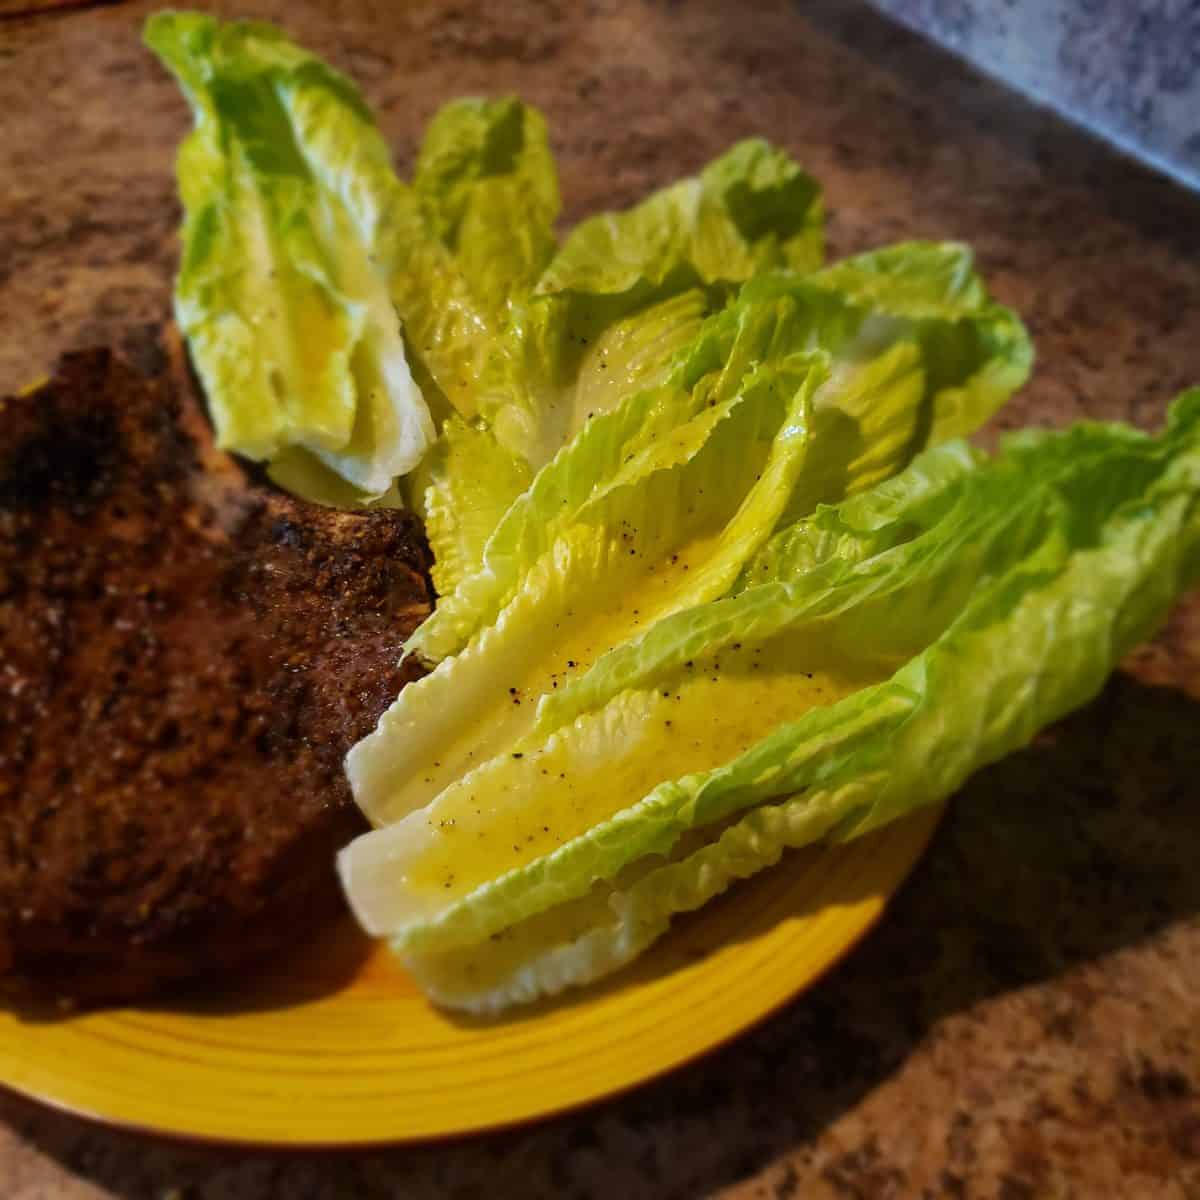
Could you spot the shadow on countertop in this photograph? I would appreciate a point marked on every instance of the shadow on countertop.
(1068, 158)
(1081, 845)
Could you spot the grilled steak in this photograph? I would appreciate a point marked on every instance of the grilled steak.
(185, 657)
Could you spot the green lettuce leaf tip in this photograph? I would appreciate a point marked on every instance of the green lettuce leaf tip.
(286, 186)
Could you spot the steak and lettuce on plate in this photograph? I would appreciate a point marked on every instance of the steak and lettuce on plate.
(718, 573)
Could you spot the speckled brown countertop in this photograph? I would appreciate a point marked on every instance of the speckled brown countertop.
(1026, 1020)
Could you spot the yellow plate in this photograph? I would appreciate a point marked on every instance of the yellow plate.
(336, 1047)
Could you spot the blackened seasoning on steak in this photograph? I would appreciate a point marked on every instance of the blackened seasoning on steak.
(185, 658)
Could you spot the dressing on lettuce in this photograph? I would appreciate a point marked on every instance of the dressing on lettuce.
(795, 394)
(918, 353)
(718, 575)
(880, 651)
(286, 186)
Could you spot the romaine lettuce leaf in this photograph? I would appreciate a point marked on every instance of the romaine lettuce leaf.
(302, 249)
(628, 554)
(537, 352)
(487, 195)
(282, 296)
(487, 183)
(476, 238)
(936, 625)
(463, 488)
(598, 315)
(540, 361)
(919, 354)
(658, 506)
(752, 209)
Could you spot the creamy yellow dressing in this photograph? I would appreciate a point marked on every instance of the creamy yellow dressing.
(524, 805)
(580, 638)
(563, 645)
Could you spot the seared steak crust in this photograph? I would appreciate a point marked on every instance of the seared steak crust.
(185, 658)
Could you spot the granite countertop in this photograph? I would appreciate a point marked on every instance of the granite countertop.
(1026, 1019)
